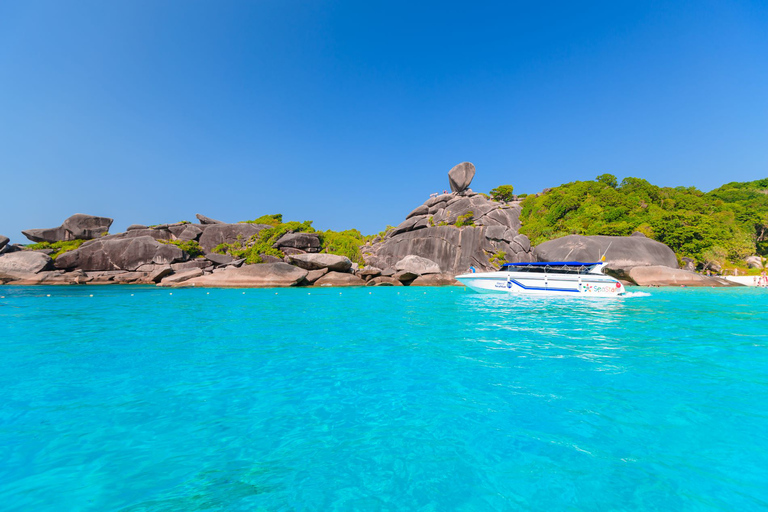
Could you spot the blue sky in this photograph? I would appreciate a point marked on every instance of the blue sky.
(351, 113)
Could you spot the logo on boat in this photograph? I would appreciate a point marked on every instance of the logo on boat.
(590, 288)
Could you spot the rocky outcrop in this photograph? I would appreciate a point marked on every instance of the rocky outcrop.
(228, 234)
(180, 277)
(314, 275)
(307, 242)
(332, 262)
(120, 254)
(3, 241)
(417, 265)
(488, 229)
(158, 233)
(461, 176)
(339, 279)
(24, 262)
(207, 220)
(435, 280)
(657, 275)
(622, 253)
(76, 227)
(384, 281)
(454, 250)
(751, 261)
(258, 276)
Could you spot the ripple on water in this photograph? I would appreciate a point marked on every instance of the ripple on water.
(386, 399)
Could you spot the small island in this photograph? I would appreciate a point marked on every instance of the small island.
(650, 236)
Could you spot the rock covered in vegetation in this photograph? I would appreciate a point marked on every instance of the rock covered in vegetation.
(120, 254)
(257, 276)
(76, 227)
(24, 262)
(658, 275)
(621, 252)
(332, 262)
(220, 233)
(461, 176)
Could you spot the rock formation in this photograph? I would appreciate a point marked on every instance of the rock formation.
(216, 234)
(622, 253)
(120, 254)
(461, 176)
(76, 227)
(257, 276)
(3, 242)
(332, 262)
(307, 242)
(658, 275)
(455, 231)
(22, 263)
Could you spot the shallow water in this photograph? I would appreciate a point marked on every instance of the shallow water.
(140, 398)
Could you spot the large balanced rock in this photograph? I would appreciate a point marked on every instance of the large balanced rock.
(621, 252)
(664, 276)
(417, 265)
(251, 276)
(216, 234)
(24, 262)
(120, 254)
(332, 262)
(76, 227)
(461, 176)
(308, 242)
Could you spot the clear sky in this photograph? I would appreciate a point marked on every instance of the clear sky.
(350, 113)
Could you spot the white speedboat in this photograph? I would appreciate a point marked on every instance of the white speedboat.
(546, 278)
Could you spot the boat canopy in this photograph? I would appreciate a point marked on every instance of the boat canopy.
(552, 264)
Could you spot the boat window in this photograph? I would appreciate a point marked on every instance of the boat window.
(538, 269)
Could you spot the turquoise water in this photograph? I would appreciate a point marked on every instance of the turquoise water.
(145, 399)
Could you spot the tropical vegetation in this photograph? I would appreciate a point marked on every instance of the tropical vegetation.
(724, 225)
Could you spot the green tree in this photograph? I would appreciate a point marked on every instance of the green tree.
(502, 193)
(608, 179)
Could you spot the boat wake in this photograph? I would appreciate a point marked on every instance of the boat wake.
(632, 295)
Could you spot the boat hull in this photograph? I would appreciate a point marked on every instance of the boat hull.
(523, 283)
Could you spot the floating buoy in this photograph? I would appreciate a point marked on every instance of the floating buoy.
(207, 293)
(170, 293)
(48, 295)
(243, 293)
(91, 295)
(131, 295)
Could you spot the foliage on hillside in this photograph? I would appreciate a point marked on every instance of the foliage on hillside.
(191, 247)
(59, 247)
(345, 243)
(730, 222)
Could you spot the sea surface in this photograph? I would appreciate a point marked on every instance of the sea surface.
(129, 398)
